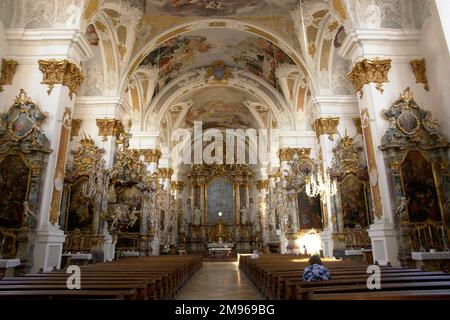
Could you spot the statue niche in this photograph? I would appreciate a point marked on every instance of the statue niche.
(416, 155)
(24, 151)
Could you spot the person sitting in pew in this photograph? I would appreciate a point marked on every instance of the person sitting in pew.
(316, 271)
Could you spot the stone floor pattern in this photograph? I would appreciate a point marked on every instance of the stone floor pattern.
(219, 281)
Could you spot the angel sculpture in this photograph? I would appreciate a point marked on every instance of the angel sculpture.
(133, 217)
(401, 211)
(28, 215)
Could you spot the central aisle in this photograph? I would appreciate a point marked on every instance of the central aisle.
(219, 281)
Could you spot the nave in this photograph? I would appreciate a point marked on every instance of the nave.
(276, 277)
(219, 281)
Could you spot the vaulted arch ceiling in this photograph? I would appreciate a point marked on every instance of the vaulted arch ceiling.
(202, 48)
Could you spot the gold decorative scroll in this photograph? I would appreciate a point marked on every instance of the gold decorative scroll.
(165, 173)
(58, 179)
(151, 155)
(61, 72)
(326, 126)
(262, 184)
(7, 72)
(76, 125)
(419, 70)
(367, 71)
(109, 127)
(357, 123)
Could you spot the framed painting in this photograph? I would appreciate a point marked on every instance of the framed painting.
(353, 196)
(420, 188)
(309, 211)
(15, 178)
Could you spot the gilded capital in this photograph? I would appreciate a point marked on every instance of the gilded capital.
(165, 173)
(151, 155)
(177, 185)
(357, 123)
(326, 126)
(262, 184)
(289, 154)
(75, 128)
(419, 70)
(109, 127)
(367, 71)
(61, 72)
(7, 72)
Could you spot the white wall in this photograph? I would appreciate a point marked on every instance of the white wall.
(435, 51)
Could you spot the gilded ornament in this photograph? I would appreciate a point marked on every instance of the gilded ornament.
(151, 155)
(357, 123)
(262, 184)
(347, 155)
(218, 71)
(419, 70)
(7, 72)
(165, 173)
(86, 157)
(61, 72)
(367, 71)
(75, 128)
(326, 126)
(177, 185)
(109, 127)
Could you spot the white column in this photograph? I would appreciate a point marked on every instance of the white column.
(27, 47)
(401, 46)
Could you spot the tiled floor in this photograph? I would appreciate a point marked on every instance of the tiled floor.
(219, 281)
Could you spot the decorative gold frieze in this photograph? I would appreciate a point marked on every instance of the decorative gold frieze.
(109, 127)
(357, 123)
(7, 72)
(151, 155)
(289, 154)
(419, 70)
(326, 126)
(61, 72)
(262, 184)
(165, 173)
(76, 125)
(367, 71)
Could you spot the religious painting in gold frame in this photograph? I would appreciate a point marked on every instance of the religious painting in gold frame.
(309, 211)
(419, 187)
(80, 212)
(353, 196)
(15, 177)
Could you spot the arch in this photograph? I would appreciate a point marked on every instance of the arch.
(213, 23)
(285, 116)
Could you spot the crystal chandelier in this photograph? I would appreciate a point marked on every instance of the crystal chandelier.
(321, 185)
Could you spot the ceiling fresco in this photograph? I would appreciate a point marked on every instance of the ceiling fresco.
(202, 48)
(219, 7)
(219, 107)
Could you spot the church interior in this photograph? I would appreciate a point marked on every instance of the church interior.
(206, 149)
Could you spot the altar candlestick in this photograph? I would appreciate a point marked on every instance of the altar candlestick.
(420, 240)
(444, 238)
(431, 236)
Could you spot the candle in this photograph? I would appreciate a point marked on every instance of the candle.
(431, 235)
(420, 240)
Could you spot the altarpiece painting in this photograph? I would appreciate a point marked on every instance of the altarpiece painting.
(416, 154)
(24, 150)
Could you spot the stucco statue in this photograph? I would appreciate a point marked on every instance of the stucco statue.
(244, 216)
(197, 216)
